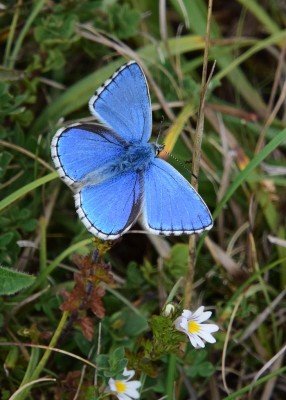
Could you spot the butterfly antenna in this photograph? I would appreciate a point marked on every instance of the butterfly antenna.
(181, 164)
(159, 134)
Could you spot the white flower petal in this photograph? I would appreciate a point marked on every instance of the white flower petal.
(207, 337)
(111, 384)
(198, 312)
(193, 340)
(123, 396)
(184, 324)
(132, 389)
(178, 322)
(128, 390)
(209, 328)
(199, 341)
(129, 373)
(192, 325)
(187, 314)
(133, 385)
(133, 393)
(204, 316)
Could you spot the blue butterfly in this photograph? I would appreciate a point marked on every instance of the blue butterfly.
(115, 172)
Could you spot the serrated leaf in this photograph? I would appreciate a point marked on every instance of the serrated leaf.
(123, 20)
(13, 281)
(178, 262)
(102, 361)
(118, 354)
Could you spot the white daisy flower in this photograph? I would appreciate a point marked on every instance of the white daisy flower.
(190, 323)
(125, 389)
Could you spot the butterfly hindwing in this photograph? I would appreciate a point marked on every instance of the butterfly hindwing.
(171, 204)
(123, 103)
(110, 208)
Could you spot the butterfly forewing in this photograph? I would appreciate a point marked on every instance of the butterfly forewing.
(80, 149)
(123, 103)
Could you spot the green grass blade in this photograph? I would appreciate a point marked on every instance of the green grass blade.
(254, 7)
(26, 189)
(272, 145)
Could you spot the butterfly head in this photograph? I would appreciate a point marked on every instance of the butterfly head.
(158, 148)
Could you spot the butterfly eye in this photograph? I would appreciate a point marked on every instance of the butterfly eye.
(159, 148)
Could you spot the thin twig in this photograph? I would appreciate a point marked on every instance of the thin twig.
(196, 159)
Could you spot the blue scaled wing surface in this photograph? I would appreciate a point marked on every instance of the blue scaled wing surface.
(123, 104)
(110, 208)
(80, 149)
(171, 204)
(108, 204)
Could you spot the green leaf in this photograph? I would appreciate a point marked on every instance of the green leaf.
(117, 362)
(123, 21)
(6, 239)
(178, 262)
(118, 354)
(13, 281)
(206, 369)
(55, 30)
(129, 323)
(5, 159)
(199, 367)
(134, 276)
(102, 361)
(30, 225)
(12, 358)
(90, 393)
(55, 60)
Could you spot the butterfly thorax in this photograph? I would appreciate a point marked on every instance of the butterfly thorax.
(135, 157)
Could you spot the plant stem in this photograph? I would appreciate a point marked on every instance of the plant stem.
(43, 245)
(46, 355)
(196, 161)
(52, 344)
(12, 30)
(38, 6)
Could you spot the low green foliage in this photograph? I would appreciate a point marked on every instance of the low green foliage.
(11, 281)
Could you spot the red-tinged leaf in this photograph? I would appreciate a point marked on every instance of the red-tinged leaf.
(73, 299)
(82, 262)
(96, 271)
(87, 292)
(103, 274)
(95, 302)
(87, 328)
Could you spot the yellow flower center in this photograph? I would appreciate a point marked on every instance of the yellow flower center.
(120, 386)
(193, 327)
